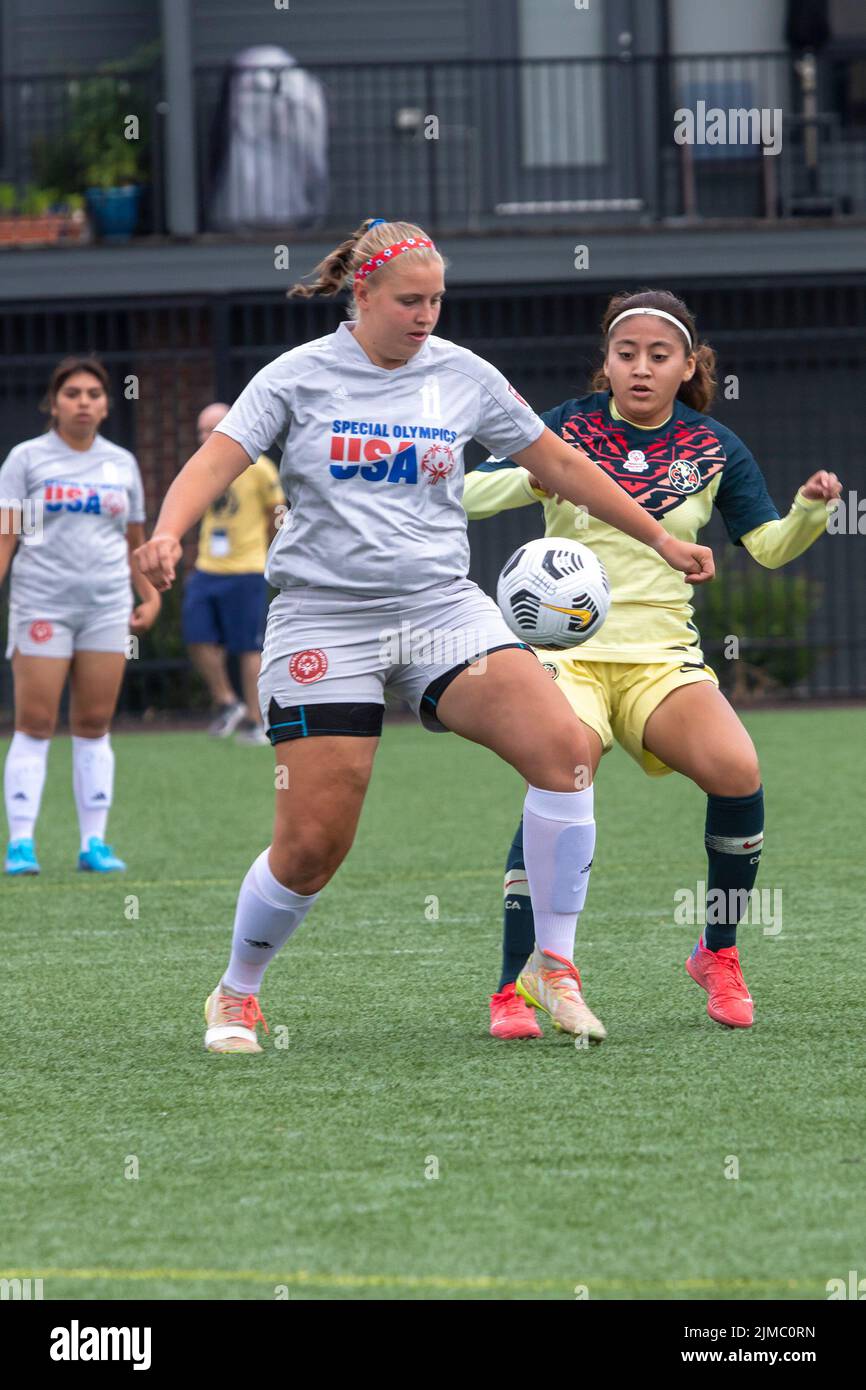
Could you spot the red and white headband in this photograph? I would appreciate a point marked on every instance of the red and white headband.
(659, 314)
(411, 243)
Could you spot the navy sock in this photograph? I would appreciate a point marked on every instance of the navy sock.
(518, 934)
(734, 837)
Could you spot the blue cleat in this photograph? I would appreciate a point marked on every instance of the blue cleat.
(21, 858)
(99, 858)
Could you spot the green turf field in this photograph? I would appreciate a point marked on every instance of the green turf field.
(305, 1168)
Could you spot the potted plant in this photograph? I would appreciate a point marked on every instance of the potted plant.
(39, 216)
(93, 156)
(112, 194)
(96, 152)
(110, 158)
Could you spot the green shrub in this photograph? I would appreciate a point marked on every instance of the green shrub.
(769, 614)
(92, 150)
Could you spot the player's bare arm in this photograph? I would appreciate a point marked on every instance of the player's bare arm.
(146, 612)
(8, 539)
(203, 479)
(567, 471)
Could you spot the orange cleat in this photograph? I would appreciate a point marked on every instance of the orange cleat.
(719, 973)
(511, 1017)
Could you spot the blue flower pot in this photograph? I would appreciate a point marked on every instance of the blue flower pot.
(114, 211)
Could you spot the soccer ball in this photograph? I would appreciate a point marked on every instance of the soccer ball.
(554, 593)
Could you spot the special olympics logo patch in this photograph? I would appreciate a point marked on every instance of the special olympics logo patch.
(684, 476)
(41, 631)
(437, 463)
(306, 667)
(517, 394)
(114, 503)
(636, 461)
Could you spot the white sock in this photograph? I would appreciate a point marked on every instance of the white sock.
(23, 780)
(267, 914)
(558, 844)
(93, 784)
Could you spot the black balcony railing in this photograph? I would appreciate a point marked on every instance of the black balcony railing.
(473, 145)
(64, 139)
(482, 144)
(788, 352)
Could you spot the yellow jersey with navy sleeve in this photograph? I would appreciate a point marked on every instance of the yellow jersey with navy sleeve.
(236, 529)
(678, 472)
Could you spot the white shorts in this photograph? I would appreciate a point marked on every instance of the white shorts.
(322, 649)
(35, 632)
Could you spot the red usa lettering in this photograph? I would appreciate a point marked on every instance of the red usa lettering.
(382, 464)
(75, 497)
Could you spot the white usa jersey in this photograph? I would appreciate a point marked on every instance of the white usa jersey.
(77, 556)
(372, 460)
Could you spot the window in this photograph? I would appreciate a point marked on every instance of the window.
(562, 103)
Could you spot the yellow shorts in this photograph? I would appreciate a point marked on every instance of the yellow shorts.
(616, 699)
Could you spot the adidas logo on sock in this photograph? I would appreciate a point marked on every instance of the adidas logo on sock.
(20, 796)
(100, 796)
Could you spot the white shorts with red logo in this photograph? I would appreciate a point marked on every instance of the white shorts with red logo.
(321, 648)
(37, 633)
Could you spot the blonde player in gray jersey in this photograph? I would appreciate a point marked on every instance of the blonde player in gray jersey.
(71, 511)
(371, 570)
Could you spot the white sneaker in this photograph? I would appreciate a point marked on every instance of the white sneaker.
(232, 1020)
(253, 735)
(552, 983)
(227, 720)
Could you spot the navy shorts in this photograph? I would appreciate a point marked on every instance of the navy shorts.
(225, 609)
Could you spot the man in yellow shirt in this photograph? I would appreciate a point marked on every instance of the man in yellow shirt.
(224, 600)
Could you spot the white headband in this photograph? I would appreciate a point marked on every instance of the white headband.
(659, 314)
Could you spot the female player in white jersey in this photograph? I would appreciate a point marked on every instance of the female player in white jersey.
(375, 418)
(71, 511)
(642, 679)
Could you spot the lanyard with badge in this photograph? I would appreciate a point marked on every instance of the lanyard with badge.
(219, 543)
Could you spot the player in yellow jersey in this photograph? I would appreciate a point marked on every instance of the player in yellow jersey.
(642, 680)
(224, 599)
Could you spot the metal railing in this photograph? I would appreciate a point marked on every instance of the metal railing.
(474, 145)
(478, 145)
(63, 135)
(789, 351)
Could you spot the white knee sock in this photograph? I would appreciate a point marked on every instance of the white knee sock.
(93, 784)
(558, 844)
(267, 914)
(23, 780)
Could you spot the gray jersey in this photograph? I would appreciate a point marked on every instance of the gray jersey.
(373, 459)
(75, 508)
